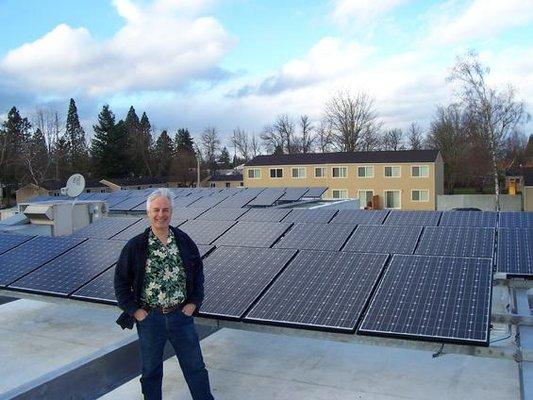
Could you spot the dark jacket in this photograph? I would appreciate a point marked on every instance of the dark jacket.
(130, 269)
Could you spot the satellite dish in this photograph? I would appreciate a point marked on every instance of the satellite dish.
(75, 185)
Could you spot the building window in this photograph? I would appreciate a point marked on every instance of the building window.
(241, 184)
(339, 193)
(228, 184)
(420, 195)
(298, 173)
(392, 172)
(320, 172)
(339, 172)
(276, 173)
(365, 172)
(213, 184)
(419, 171)
(364, 197)
(254, 173)
(392, 199)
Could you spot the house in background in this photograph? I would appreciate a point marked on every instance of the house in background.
(115, 184)
(226, 178)
(52, 187)
(409, 180)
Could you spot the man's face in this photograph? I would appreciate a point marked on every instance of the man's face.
(160, 212)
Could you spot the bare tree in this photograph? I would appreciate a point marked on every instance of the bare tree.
(210, 145)
(272, 139)
(241, 143)
(393, 140)
(307, 138)
(415, 136)
(351, 117)
(324, 137)
(255, 146)
(496, 112)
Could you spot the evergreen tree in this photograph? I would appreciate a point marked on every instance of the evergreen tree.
(38, 161)
(15, 138)
(163, 154)
(75, 136)
(108, 146)
(133, 129)
(224, 159)
(146, 144)
(183, 141)
(60, 152)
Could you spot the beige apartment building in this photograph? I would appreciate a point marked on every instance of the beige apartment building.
(409, 180)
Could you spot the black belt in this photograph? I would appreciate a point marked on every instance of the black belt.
(164, 310)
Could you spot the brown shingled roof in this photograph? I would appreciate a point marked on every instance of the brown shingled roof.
(405, 156)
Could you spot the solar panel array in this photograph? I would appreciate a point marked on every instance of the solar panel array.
(265, 214)
(326, 290)
(205, 232)
(315, 237)
(236, 276)
(515, 251)
(315, 192)
(457, 242)
(294, 194)
(31, 254)
(70, 271)
(129, 203)
(222, 214)
(267, 197)
(316, 216)
(469, 219)
(105, 228)
(413, 218)
(7, 241)
(516, 219)
(359, 217)
(433, 298)
(253, 234)
(383, 239)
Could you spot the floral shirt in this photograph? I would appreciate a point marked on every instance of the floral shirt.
(164, 279)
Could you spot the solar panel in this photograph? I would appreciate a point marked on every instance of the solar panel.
(8, 241)
(186, 201)
(432, 298)
(236, 276)
(320, 290)
(128, 204)
(456, 242)
(132, 230)
(314, 216)
(31, 255)
(315, 192)
(211, 201)
(237, 201)
(70, 271)
(413, 218)
(515, 251)
(205, 232)
(222, 214)
(470, 219)
(204, 249)
(267, 197)
(253, 234)
(101, 289)
(182, 213)
(294, 194)
(360, 217)
(315, 237)
(105, 228)
(516, 219)
(383, 239)
(265, 214)
(112, 201)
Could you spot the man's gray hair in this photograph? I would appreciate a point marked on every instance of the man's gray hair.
(161, 192)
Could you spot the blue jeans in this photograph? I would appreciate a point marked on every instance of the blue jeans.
(154, 331)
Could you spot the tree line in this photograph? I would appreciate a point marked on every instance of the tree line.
(478, 135)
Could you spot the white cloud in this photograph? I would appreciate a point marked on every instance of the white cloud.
(161, 46)
(479, 20)
(362, 11)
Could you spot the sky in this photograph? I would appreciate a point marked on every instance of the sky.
(241, 63)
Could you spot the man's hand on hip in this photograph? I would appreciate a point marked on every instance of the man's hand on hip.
(188, 309)
(140, 314)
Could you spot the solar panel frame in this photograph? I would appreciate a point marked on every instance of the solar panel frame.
(67, 273)
(10, 241)
(236, 276)
(320, 290)
(360, 217)
(310, 216)
(485, 219)
(315, 237)
(413, 218)
(457, 242)
(412, 276)
(383, 239)
(204, 231)
(30, 255)
(105, 228)
(514, 252)
(253, 234)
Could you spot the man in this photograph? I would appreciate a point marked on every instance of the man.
(159, 283)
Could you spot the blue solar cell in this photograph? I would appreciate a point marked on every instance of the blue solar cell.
(516, 219)
(383, 239)
(515, 251)
(320, 290)
(457, 242)
(432, 298)
(31, 255)
(469, 219)
(8, 241)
